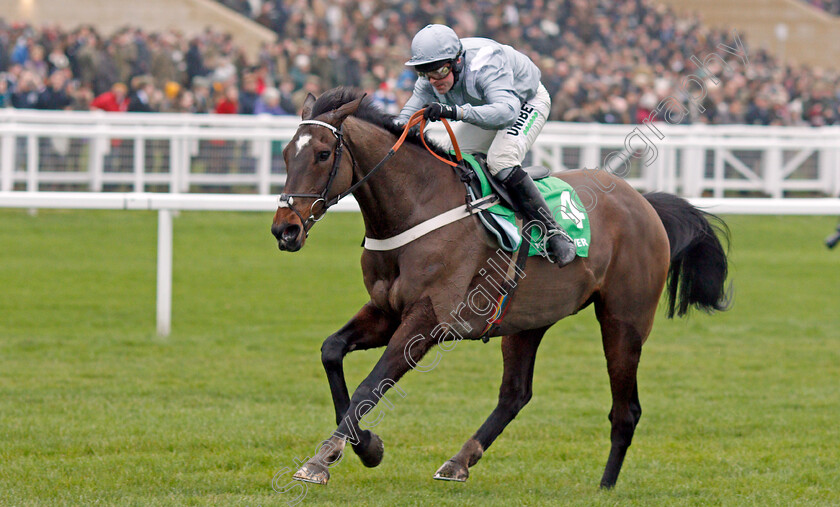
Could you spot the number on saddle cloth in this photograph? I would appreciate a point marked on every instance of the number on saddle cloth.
(563, 203)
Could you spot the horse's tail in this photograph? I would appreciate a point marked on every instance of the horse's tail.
(697, 275)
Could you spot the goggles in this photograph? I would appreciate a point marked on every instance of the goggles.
(439, 73)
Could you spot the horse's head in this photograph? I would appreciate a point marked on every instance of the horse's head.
(316, 173)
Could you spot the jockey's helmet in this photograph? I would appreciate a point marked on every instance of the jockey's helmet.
(434, 44)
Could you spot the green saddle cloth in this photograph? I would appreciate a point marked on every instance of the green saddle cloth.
(563, 202)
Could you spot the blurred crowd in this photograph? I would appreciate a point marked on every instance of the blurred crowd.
(830, 6)
(130, 70)
(602, 61)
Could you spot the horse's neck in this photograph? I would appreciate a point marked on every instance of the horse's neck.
(411, 188)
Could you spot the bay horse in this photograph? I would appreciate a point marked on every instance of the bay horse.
(418, 291)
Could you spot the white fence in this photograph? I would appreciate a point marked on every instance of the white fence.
(696, 160)
(134, 155)
(96, 151)
(202, 153)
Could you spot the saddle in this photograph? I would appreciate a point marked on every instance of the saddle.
(469, 176)
(500, 219)
(506, 233)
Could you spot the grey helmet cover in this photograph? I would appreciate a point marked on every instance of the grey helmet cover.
(433, 46)
(434, 43)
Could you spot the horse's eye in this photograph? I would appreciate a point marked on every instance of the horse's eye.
(323, 155)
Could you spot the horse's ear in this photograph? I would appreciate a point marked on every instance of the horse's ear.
(307, 106)
(339, 115)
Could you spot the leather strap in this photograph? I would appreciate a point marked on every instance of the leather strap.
(434, 223)
(334, 130)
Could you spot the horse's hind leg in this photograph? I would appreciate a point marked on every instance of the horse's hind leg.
(518, 352)
(623, 336)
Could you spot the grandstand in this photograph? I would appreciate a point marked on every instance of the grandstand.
(794, 31)
(603, 62)
(189, 17)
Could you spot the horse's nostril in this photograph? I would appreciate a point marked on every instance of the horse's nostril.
(290, 233)
(276, 230)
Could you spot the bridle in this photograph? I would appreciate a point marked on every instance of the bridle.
(287, 200)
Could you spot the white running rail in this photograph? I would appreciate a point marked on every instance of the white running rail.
(165, 204)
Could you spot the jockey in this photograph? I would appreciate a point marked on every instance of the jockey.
(496, 91)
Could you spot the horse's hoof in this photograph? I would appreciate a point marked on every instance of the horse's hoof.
(312, 472)
(607, 485)
(452, 471)
(371, 455)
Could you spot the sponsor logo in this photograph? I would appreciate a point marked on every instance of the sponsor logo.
(524, 114)
(530, 123)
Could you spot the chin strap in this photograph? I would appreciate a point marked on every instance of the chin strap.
(457, 67)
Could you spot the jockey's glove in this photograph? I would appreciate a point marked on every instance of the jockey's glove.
(435, 111)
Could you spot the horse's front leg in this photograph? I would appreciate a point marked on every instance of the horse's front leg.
(407, 346)
(370, 328)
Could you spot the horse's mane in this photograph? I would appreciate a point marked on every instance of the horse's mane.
(370, 112)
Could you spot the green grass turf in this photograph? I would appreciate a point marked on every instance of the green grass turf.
(739, 408)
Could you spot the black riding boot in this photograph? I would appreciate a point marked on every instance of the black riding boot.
(525, 196)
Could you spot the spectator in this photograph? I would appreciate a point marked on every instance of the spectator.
(25, 94)
(201, 94)
(36, 63)
(186, 102)
(229, 103)
(57, 59)
(165, 60)
(312, 85)
(270, 17)
(81, 95)
(269, 103)
(759, 113)
(124, 55)
(171, 96)
(20, 52)
(115, 100)
(5, 95)
(286, 90)
(195, 60)
(248, 94)
(55, 96)
(86, 58)
(106, 72)
(216, 152)
(141, 100)
(300, 70)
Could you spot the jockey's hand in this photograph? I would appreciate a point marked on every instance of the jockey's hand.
(435, 111)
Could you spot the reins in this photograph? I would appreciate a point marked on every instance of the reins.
(517, 262)
(286, 200)
(416, 118)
